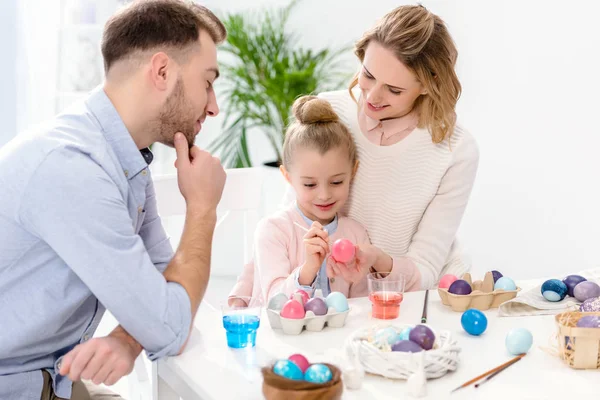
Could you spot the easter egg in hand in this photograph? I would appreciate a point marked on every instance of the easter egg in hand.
(300, 361)
(505, 283)
(276, 303)
(497, 275)
(460, 287)
(586, 290)
(589, 321)
(317, 305)
(288, 369)
(590, 305)
(518, 341)
(303, 294)
(404, 333)
(342, 250)
(318, 373)
(423, 336)
(406, 346)
(387, 335)
(292, 310)
(474, 322)
(338, 301)
(571, 281)
(554, 290)
(447, 280)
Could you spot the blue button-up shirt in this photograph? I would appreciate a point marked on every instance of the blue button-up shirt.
(80, 233)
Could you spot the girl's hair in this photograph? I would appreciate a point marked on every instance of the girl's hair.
(318, 127)
(420, 40)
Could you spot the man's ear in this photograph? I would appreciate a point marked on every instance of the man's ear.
(161, 69)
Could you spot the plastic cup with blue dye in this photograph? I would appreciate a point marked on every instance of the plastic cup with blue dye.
(241, 319)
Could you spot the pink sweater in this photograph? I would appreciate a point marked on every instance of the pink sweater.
(279, 252)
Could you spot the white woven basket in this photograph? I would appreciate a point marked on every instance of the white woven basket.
(382, 361)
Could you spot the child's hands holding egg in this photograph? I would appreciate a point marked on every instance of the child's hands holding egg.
(316, 247)
(356, 268)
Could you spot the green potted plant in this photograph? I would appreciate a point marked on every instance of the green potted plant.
(265, 70)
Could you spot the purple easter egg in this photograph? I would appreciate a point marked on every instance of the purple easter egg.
(316, 305)
(571, 281)
(590, 305)
(423, 336)
(586, 290)
(406, 346)
(589, 321)
(497, 275)
(461, 287)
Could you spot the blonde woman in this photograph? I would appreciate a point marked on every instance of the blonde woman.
(417, 164)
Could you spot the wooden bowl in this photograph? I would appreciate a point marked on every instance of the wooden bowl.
(276, 387)
(483, 297)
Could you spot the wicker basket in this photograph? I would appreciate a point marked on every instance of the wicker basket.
(438, 361)
(578, 347)
(276, 387)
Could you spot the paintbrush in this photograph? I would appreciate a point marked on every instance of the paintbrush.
(491, 371)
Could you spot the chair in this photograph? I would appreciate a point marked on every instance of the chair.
(242, 195)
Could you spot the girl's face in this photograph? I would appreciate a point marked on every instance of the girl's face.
(321, 181)
(388, 88)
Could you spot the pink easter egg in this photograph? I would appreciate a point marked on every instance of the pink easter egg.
(292, 309)
(447, 280)
(300, 361)
(342, 250)
(305, 296)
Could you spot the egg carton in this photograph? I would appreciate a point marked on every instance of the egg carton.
(312, 322)
(483, 297)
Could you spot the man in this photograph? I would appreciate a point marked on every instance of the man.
(79, 229)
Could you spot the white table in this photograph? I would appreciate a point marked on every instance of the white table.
(208, 369)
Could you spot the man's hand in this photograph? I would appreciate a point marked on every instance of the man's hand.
(201, 176)
(102, 360)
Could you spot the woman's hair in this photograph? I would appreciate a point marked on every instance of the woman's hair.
(420, 40)
(317, 127)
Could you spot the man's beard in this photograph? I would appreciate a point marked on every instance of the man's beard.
(176, 117)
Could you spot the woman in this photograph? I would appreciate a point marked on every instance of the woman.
(417, 165)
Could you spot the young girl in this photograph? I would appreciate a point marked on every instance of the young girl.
(292, 247)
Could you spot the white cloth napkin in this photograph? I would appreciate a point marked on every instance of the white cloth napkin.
(531, 302)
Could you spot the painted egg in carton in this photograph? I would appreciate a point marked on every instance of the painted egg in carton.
(482, 297)
(302, 312)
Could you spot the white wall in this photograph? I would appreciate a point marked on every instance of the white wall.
(528, 70)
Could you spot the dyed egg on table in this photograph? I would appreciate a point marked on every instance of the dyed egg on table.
(571, 281)
(387, 335)
(404, 333)
(342, 250)
(300, 361)
(292, 309)
(589, 321)
(277, 302)
(305, 297)
(586, 290)
(460, 287)
(407, 346)
(518, 341)
(288, 369)
(447, 280)
(505, 283)
(590, 305)
(338, 301)
(423, 336)
(554, 290)
(318, 373)
(474, 322)
(497, 275)
(317, 305)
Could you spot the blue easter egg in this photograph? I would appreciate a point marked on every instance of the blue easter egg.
(318, 373)
(474, 322)
(404, 333)
(518, 341)
(338, 301)
(554, 290)
(288, 369)
(505, 283)
(388, 335)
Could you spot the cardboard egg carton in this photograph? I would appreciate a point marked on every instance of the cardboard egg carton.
(483, 297)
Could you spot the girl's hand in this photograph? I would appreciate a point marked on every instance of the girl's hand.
(316, 247)
(366, 256)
